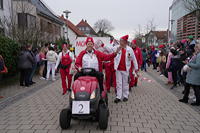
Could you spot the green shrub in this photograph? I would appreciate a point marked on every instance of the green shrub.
(9, 49)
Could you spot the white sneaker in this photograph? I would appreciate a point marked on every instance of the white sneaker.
(42, 78)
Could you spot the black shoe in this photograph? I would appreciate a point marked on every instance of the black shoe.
(195, 104)
(135, 84)
(108, 91)
(21, 84)
(174, 86)
(125, 99)
(26, 85)
(117, 100)
(69, 90)
(33, 82)
(183, 101)
(64, 93)
(130, 89)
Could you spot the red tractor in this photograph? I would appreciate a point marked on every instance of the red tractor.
(86, 101)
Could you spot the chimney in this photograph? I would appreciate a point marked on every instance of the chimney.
(86, 21)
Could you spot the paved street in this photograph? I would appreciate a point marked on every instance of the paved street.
(150, 109)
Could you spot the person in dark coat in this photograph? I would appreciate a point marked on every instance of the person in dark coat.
(193, 77)
(25, 65)
(29, 49)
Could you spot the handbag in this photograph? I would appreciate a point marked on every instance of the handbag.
(5, 70)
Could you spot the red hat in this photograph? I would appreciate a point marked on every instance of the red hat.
(89, 39)
(134, 42)
(125, 38)
(161, 46)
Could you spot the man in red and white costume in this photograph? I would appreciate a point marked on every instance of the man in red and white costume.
(65, 59)
(108, 65)
(91, 58)
(138, 55)
(122, 64)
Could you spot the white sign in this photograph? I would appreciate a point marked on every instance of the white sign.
(143, 40)
(80, 107)
(80, 43)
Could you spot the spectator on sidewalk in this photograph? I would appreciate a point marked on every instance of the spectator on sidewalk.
(183, 58)
(170, 55)
(51, 63)
(174, 67)
(25, 64)
(154, 58)
(144, 58)
(162, 63)
(29, 48)
(1, 63)
(193, 77)
(46, 49)
(3, 68)
(191, 43)
(42, 62)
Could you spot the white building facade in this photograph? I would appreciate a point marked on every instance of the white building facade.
(70, 34)
(5, 16)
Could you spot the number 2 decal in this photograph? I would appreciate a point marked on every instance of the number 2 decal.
(81, 109)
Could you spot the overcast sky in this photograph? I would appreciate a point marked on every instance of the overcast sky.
(125, 15)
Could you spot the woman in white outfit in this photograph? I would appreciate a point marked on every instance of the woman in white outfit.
(51, 63)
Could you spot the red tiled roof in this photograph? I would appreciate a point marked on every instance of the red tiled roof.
(73, 27)
(85, 24)
(161, 34)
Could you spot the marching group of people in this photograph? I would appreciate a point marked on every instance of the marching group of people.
(120, 61)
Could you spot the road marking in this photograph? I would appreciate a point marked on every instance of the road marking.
(146, 79)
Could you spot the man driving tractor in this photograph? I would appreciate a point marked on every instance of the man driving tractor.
(91, 58)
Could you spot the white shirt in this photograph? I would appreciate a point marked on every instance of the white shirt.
(60, 57)
(129, 52)
(90, 61)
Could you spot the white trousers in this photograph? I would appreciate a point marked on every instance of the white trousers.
(51, 68)
(122, 84)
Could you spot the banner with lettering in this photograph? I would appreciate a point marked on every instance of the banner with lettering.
(80, 43)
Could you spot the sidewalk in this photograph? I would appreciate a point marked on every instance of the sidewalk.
(176, 91)
(11, 93)
(150, 109)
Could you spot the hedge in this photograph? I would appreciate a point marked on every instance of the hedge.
(9, 49)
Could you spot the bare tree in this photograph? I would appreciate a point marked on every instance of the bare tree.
(150, 26)
(103, 27)
(138, 32)
(192, 5)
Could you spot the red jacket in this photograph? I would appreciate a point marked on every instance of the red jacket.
(100, 56)
(138, 55)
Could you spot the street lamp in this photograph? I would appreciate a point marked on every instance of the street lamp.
(66, 12)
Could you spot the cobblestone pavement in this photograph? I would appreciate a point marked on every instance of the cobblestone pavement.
(150, 109)
(176, 91)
